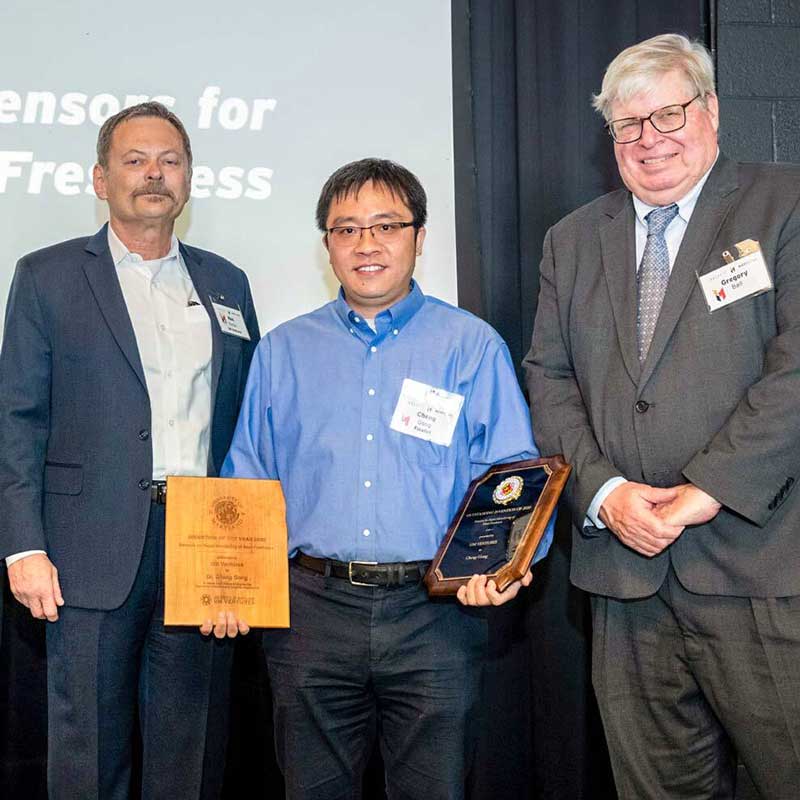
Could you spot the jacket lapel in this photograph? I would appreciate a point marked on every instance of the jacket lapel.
(713, 206)
(618, 252)
(204, 284)
(104, 283)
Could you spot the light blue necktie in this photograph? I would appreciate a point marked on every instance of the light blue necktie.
(653, 275)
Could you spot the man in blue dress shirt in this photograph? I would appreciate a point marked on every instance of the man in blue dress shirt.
(328, 411)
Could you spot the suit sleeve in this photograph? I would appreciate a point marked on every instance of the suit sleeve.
(25, 377)
(559, 416)
(753, 461)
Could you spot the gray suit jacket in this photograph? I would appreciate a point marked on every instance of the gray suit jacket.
(721, 391)
(75, 417)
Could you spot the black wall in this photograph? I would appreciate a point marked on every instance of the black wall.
(758, 77)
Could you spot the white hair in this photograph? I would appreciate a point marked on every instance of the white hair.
(638, 69)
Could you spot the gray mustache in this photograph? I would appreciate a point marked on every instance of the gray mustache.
(154, 188)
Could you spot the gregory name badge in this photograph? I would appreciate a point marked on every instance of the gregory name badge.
(230, 320)
(744, 276)
(426, 412)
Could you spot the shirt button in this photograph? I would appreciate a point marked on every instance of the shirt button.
(162, 327)
(395, 331)
(144, 484)
(352, 330)
(172, 423)
(365, 532)
(144, 434)
(356, 319)
(373, 349)
(367, 484)
(169, 373)
(370, 392)
(370, 437)
(641, 406)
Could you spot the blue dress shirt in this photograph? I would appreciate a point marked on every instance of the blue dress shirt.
(316, 414)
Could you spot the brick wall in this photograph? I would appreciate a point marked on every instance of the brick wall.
(758, 78)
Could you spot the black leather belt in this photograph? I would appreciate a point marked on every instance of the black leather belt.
(366, 573)
(158, 492)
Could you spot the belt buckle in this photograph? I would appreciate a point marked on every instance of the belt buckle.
(359, 563)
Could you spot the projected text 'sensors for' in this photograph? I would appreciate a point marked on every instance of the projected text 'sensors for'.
(31, 173)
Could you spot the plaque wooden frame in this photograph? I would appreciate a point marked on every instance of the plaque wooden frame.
(226, 550)
(440, 581)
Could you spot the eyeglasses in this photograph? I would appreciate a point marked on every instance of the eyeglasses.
(382, 232)
(664, 120)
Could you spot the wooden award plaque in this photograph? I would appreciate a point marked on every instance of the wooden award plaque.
(226, 550)
(499, 524)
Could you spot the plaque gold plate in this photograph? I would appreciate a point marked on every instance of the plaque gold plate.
(226, 550)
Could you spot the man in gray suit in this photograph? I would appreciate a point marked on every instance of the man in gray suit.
(665, 365)
(119, 368)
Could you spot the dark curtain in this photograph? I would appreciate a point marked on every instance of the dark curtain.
(528, 150)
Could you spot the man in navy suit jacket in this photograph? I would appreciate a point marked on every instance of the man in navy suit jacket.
(117, 369)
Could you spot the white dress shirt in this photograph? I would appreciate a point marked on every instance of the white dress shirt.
(173, 335)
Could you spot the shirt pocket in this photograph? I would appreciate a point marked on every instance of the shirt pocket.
(424, 453)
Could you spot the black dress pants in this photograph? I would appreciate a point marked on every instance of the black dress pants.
(365, 662)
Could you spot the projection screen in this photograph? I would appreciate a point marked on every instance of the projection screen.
(275, 96)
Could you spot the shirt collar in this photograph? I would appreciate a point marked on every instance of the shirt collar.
(120, 252)
(685, 205)
(398, 314)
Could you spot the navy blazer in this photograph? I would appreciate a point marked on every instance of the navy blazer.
(75, 451)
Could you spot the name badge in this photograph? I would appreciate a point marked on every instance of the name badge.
(426, 412)
(737, 279)
(231, 321)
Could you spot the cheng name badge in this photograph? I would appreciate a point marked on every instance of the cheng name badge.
(427, 412)
(231, 320)
(741, 277)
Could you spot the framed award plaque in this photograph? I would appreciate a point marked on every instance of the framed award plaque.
(499, 524)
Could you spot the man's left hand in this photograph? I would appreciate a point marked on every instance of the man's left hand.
(482, 591)
(690, 506)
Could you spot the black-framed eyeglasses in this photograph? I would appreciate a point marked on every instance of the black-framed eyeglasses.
(664, 120)
(381, 232)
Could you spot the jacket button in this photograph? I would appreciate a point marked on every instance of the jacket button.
(144, 484)
(144, 435)
(641, 406)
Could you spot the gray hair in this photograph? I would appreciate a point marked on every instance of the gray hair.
(149, 109)
(639, 67)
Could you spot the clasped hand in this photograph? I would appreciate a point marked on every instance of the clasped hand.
(648, 519)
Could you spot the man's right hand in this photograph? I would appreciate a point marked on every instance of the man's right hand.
(629, 512)
(34, 582)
